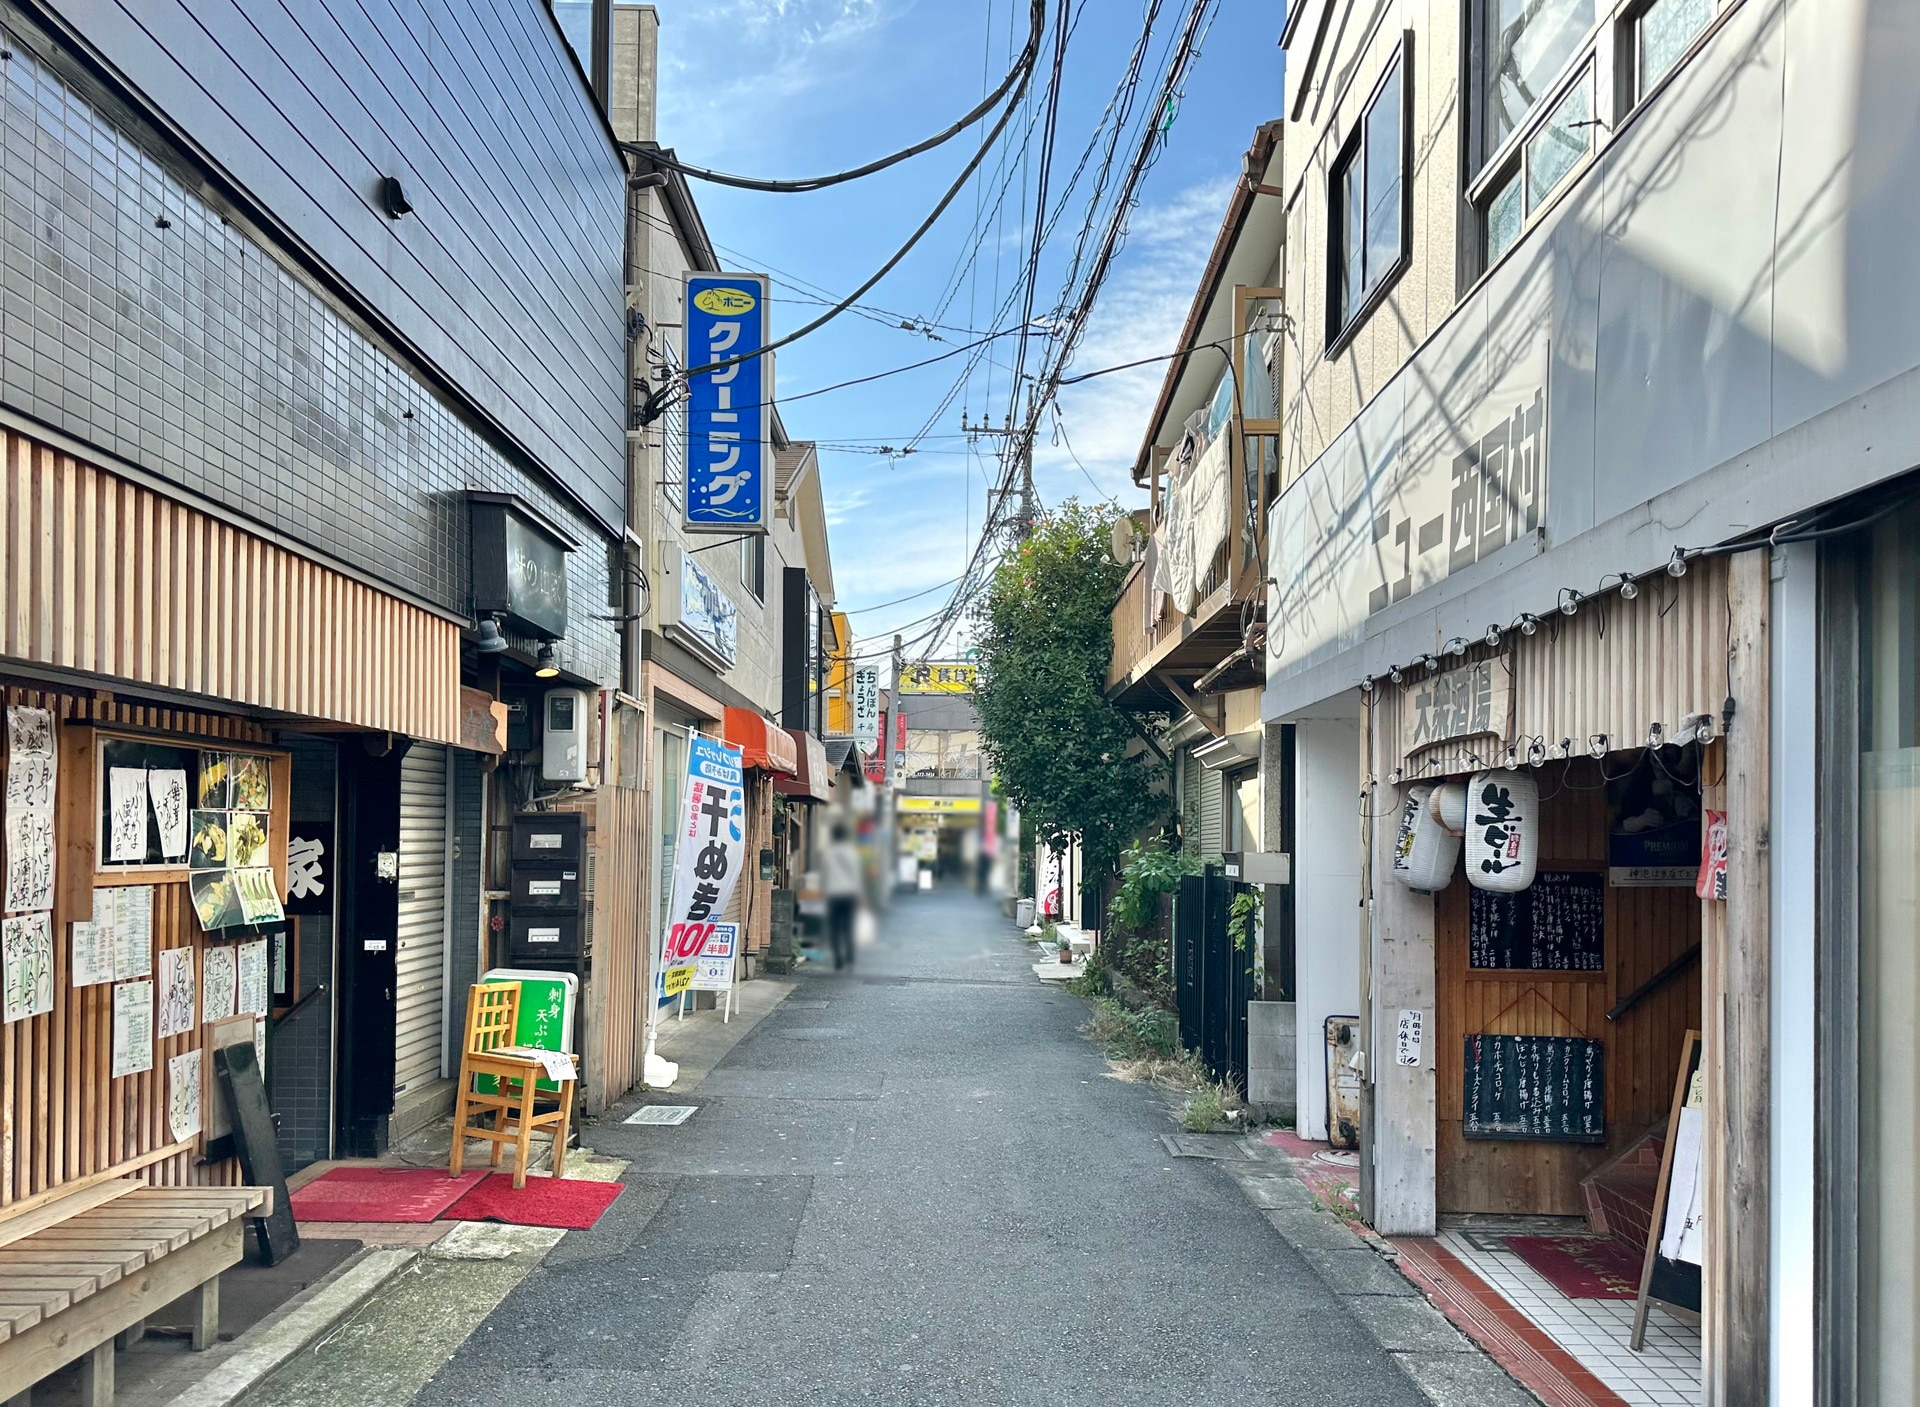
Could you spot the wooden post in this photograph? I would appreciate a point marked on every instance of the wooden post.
(1737, 997)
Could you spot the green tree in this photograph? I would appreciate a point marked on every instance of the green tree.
(1063, 752)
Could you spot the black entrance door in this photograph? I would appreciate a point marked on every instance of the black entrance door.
(1213, 980)
(369, 931)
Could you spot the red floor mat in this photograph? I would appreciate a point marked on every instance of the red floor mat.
(381, 1194)
(567, 1203)
(1582, 1267)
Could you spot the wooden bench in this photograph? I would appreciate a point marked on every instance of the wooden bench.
(78, 1272)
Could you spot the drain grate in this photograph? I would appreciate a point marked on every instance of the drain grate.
(662, 1114)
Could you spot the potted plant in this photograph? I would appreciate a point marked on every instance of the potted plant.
(1066, 952)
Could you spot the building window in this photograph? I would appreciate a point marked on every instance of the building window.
(1367, 217)
(1663, 33)
(1528, 44)
(753, 565)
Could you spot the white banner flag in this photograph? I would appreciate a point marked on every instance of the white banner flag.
(710, 849)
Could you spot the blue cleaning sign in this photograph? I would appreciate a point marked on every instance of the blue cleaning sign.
(729, 411)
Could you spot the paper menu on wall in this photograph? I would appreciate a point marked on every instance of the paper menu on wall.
(217, 985)
(126, 813)
(130, 912)
(132, 1028)
(92, 961)
(167, 790)
(176, 993)
(183, 1095)
(26, 974)
(253, 978)
(31, 773)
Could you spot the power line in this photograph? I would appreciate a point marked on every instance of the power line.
(1022, 67)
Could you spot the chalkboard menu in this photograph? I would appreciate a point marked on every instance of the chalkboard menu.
(1545, 1088)
(1556, 925)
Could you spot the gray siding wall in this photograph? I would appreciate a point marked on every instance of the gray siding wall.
(194, 354)
(507, 276)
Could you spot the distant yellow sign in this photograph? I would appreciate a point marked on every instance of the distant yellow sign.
(676, 980)
(951, 678)
(940, 805)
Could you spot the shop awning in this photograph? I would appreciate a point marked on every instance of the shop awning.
(762, 744)
(815, 777)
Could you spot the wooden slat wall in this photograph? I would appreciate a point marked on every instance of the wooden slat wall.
(63, 1120)
(100, 575)
(1645, 930)
(620, 952)
(1616, 668)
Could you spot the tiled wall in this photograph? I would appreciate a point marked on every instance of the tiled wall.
(300, 1061)
(191, 352)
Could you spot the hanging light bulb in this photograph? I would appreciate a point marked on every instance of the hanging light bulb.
(1395, 675)
(1493, 636)
(1366, 685)
(1677, 564)
(1433, 664)
(1456, 646)
(1597, 745)
(1529, 624)
(1628, 587)
(1570, 600)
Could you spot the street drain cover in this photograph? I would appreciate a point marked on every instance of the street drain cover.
(662, 1114)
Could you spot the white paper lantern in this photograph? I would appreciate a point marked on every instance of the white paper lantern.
(1503, 831)
(1424, 853)
(1449, 806)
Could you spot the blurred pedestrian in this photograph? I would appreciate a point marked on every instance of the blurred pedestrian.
(841, 870)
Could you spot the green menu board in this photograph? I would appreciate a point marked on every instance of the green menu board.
(547, 1003)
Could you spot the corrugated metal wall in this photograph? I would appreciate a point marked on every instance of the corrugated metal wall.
(1613, 670)
(419, 979)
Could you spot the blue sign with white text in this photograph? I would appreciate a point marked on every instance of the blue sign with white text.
(729, 453)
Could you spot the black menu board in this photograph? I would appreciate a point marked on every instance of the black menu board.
(1545, 1088)
(1556, 925)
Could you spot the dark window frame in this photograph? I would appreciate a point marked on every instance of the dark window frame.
(1341, 330)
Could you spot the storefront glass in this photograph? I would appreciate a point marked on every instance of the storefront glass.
(1889, 970)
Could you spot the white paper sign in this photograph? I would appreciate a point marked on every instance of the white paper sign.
(218, 984)
(167, 789)
(253, 978)
(557, 1064)
(29, 810)
(132, 922)
(27, 972)
(713, 969)
(126, 813)
(183, 1095)
(1682, 1236)
(92, 953)
(176, 1015)
(1409, 1037)
(132, 1028)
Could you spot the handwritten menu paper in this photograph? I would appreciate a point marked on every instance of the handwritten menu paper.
(167, 789)
(176, 992)
(26, 976)
(183, 1095)
(132, 1028)
(31, 773)
(217, 987)
(131, 909)
(253, 978)
(92, 953)
(126, 813)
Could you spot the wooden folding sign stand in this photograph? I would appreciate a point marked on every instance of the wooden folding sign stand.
(1673, 1284)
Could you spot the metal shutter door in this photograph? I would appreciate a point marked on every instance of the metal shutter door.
(419, 991)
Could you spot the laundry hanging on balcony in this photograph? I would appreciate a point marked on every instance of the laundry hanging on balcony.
(1195, 519)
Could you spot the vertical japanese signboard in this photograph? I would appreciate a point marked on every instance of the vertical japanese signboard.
(866, 705)
(729, 409)
(710, 849)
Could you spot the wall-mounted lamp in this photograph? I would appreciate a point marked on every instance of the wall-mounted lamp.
(1629, 588)
(1677, 564)
(546, 665)
(393, 198)
(490, 641)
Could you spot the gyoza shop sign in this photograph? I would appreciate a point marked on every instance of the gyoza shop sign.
(711, 846)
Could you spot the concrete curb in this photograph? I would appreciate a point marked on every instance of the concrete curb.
(259, 1355)
(1363, 1271)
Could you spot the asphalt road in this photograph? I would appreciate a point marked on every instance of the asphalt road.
(915, 1184)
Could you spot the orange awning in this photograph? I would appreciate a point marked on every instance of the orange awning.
(761, 743)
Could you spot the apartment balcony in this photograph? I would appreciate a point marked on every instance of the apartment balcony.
(1160, 654)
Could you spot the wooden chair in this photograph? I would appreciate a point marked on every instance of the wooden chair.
(493, 1015)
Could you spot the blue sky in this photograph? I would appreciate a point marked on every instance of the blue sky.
(802, 87)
